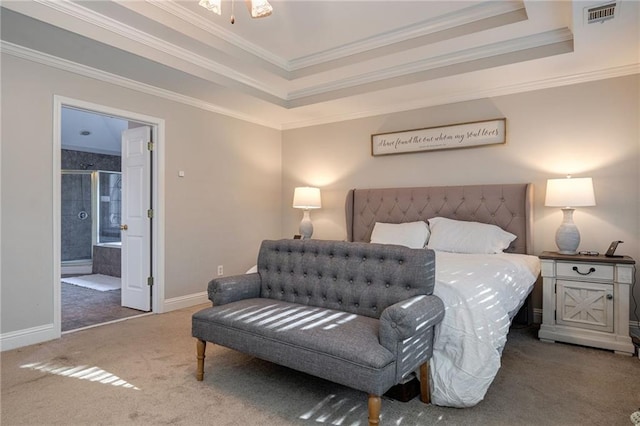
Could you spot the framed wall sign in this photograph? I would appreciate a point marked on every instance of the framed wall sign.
(464, 135)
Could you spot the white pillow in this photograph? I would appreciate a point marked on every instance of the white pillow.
(467, 237)
(410, 234)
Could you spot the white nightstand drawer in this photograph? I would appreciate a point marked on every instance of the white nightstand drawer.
(584, 271)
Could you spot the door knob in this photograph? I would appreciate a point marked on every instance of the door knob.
(123, 227)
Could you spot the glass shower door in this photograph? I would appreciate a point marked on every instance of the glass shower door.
(110, 190)
(77, 215)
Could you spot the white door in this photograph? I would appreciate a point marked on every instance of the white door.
(136, 224)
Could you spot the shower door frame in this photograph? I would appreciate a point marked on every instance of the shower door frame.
(94, 213)
(79, 265)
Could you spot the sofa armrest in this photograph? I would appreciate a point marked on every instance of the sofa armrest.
(230, 289)
(407, 318)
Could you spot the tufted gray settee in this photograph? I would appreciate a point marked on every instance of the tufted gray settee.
(357, 314)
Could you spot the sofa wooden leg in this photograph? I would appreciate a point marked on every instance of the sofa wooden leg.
(374, 410)
(200, 348)
(425, 391)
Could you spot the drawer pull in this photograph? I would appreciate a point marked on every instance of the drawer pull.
(609, 296)
(592, 269)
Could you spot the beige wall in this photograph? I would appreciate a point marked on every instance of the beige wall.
(586, 129)
(240, 177)
(228, 201)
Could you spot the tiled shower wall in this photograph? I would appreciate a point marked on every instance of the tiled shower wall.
(76, 198)
(77, 160)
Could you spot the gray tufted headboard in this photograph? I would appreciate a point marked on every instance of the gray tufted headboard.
(508, 206)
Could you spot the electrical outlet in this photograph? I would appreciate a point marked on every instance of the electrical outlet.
(220, 270)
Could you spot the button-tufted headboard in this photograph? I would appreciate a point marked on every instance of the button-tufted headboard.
(507, 206)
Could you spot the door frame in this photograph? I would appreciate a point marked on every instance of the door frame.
(157, 190)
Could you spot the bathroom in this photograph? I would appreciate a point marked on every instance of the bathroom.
(91, 203)
(91, 200)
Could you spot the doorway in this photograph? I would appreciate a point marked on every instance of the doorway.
(92, 192)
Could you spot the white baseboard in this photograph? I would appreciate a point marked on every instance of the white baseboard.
(31, 336)
(43, 333)
(28, 336)
(185, 301)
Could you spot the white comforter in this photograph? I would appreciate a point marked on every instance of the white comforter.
(479, 292)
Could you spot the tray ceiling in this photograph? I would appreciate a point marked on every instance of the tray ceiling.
(314, 61)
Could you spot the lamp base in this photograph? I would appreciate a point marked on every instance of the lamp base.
(567, 235)
(306, 227)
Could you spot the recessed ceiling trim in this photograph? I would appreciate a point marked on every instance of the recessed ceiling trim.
(459, 57)
(107, 77)
(65, 65)
(462, 17)
(215, 30)
(467, 95)
(419, 29)
(279, 93)
(465, 16)
(480, 64)
(93, 18)
(443, 35)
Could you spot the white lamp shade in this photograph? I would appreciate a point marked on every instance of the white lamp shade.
(570, 192)
(306, 197)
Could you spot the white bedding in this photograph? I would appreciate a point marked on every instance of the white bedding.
(479, 291)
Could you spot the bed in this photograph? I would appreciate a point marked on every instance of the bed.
(482, 292)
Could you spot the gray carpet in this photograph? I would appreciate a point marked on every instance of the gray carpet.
(539, 384)
(82, 307)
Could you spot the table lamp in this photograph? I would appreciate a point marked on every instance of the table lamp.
(569, 193)
(306, 198)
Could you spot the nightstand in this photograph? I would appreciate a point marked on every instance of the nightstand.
(585, 300)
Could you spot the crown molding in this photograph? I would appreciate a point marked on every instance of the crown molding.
(458, 18)
(65, 65)
(471, 14)
(454, 58)
(419, 29)
(85, 71)
(133, 34)
(206, 25)
(455, 19)
(466, 95)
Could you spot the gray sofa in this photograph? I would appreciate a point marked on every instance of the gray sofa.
(357, 314)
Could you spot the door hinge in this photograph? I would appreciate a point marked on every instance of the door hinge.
(149, 281)
(150, 146)
(150, 213)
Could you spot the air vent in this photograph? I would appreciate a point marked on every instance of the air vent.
(600, 13)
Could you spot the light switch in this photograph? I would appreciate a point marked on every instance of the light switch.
(181, 173)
